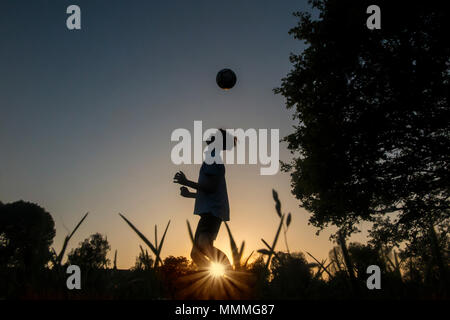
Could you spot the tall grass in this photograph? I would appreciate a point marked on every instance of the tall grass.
(58, 259)
(191, 235)
(237, 254)
(115, 260)
(322, 267)
(156, 249)
(275, 274)
(269, 251)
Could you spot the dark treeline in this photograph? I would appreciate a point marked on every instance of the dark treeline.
(31, 269)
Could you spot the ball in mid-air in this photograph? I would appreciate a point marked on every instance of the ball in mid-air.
(226, 79)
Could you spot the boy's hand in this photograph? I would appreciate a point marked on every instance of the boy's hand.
(180, 178)
(184, 192)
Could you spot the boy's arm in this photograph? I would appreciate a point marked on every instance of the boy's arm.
(181, 179)
(209, 186)
(184, 192)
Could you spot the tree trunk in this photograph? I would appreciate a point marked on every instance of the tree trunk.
(438, 256)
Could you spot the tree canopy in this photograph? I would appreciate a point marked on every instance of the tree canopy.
(26, 233)
(91, 253)
(373, 134)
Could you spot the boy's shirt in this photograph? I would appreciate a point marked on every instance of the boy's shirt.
(216, 202)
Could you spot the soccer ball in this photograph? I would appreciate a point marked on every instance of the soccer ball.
(226, 79)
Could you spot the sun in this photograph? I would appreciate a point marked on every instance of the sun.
(216, 270)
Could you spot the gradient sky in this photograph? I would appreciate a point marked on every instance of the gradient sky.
(86, 116)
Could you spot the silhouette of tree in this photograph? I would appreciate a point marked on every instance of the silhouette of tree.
(419, 253)
(26, 233)
(172, 272)
(91, 254)
(363, 256)
(372, 109)
(176, 266)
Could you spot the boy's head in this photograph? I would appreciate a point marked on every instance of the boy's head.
(229, 141)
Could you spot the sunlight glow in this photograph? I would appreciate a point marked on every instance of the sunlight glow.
(217, 270)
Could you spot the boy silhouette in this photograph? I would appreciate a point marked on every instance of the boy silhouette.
(211, 204)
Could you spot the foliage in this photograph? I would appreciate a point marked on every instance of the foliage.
(172, 270)
(144, 261)
(372, 110)
(291, 274)
(91, 253)
(361, 255)
(410, 274)
(26, 233)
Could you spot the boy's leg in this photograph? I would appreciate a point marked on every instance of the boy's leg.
(216, 254)
(204, 252)
(205, 234)
(199, 257)
(200, 250)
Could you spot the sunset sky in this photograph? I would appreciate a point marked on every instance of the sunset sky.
(86, 116)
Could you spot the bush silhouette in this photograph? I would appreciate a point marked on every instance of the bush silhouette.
(26, 233)
(291, 274)
(91, 254)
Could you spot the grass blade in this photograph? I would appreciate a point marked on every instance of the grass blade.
(156, 237)
(321, 265)
(241, 250)
(248, 258)
(67, 239)
(160, 245)
(234, 248)
(190, 232)
(275, 241)
(146, 241)
(267, 245)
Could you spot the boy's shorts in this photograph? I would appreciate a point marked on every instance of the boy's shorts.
(208, 224)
